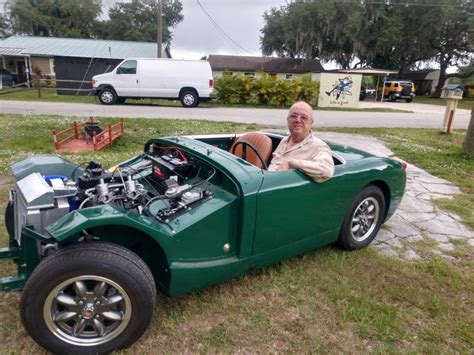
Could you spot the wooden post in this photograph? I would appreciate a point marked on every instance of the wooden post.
(38, 87)
(121, 125)
(55, 140)
(93, 139)
(76, 130)
(110, 134)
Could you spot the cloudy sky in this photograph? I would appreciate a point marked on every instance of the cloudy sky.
(241, 20)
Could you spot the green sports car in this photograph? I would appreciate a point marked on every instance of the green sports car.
(93, 245)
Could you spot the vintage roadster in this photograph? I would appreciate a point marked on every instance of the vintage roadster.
(93, 245)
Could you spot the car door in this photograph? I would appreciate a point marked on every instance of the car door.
(126, 79)
(291, 207)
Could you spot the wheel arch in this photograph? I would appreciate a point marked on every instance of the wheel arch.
(142, 244)
(382, 185)
(106, 86)
(188, 88)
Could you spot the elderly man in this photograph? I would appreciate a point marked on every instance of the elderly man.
(301, 149)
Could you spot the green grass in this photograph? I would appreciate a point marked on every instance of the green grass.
(327, 301)
(50, 95)
(465, 103)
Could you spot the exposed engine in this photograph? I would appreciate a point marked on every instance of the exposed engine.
(165, 174)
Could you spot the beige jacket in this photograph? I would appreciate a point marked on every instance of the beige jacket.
(311, 155)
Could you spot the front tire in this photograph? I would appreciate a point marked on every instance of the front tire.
(189, 98)
(88, 298)
(408, 100)
(107, 96)
(363, 219)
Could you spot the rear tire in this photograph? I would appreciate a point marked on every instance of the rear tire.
(408, 100)
(189, 98)
(88, 298)
(391, 98)
(107, 96)
(363, 219)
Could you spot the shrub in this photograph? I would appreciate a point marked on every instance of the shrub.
(265, 91)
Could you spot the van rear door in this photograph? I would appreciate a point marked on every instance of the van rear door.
(126, 79)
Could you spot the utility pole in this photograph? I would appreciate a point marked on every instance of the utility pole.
(159, 24)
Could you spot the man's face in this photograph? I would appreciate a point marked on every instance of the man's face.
(300, 120)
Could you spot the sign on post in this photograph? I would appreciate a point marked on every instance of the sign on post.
(339, 90)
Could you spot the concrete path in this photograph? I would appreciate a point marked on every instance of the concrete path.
(418, 228)
(423, 118)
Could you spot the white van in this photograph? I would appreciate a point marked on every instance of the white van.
(187, 80)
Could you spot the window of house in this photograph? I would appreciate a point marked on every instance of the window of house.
(249, 74)
(227, 73)
(288, 76)
(128, 67)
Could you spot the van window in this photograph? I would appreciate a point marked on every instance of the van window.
(387, 85)
(396, 85)
(128, 67)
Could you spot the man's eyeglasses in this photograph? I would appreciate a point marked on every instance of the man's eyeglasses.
(293, 117)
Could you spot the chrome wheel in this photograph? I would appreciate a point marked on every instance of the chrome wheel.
(87, 310)
(365, 218)
(189, 99)
(107, 97)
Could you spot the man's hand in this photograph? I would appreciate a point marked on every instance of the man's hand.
(284, 166)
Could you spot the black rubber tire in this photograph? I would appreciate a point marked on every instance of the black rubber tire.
(391, 98)
(10, 219)
(346, 239)
(100, 259)
(189, 98)
(120, 100)
(107, 96)
(408, 100)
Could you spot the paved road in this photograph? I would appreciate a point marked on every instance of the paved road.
(430, 117)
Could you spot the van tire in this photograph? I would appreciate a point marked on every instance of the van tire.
(107, 96)
(189, 98)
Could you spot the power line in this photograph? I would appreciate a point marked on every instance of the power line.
(221, 31)
(408, 4)
(396, 3)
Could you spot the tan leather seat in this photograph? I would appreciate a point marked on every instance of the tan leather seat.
(259, 142)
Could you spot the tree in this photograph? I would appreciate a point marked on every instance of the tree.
(382, 34)
(136, 20)
(452, 38)
(4, 27)
(468, 145)
(65, 18)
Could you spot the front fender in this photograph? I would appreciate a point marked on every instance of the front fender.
(73, 223)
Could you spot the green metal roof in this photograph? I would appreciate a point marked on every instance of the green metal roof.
(76, 47)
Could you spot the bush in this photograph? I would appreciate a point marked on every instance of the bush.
(265, 91)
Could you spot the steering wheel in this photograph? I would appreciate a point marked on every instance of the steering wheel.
(244, 152)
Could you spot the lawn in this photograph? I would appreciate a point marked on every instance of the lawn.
(327, 301)
(465, 103)
(50, 95)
